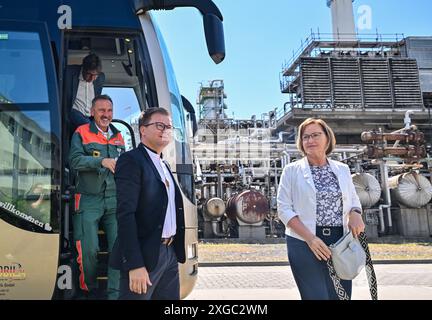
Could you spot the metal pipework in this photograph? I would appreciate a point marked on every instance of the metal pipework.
(381, 216)
(409, 151)
(219, 182)
(407, 119)
(213, 191)
(386, 189)
(215, 229)
(228, 192)
(407, 136)
(205, 193)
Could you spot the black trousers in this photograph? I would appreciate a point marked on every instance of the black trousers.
(310, 274)
(164, 278)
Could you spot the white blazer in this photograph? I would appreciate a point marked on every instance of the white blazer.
(297, 194)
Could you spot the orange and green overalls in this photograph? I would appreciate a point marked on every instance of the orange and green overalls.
(95, 201)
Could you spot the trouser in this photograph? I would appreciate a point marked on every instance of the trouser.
(77, 119)
(310, 274)
(90, 212)
(164, 278)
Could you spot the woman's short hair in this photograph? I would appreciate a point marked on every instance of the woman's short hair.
(327, 131)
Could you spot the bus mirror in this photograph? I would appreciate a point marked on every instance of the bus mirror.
(212, 20)
(214, 34)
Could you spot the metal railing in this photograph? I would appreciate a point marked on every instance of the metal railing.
(380, 41)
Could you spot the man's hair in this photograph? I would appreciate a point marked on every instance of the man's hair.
(327, 131)
(145, 116)
(92, 62)
(101, 97)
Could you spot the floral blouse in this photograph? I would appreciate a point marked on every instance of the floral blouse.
(329, 197)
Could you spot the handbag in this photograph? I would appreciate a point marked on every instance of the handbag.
(349, 257)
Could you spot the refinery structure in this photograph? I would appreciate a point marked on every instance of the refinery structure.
(375, 91)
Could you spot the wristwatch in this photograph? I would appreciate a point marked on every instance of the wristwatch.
(356, 210)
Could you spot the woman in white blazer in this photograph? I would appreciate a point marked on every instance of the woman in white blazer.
(318, 204)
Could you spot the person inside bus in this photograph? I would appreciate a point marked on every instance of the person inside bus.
(318, 204)
(94, 149)
(83, 83)
(150, 216)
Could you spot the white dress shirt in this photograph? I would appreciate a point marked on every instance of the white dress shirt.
(84, 97)
(170, 224)
(297, 194)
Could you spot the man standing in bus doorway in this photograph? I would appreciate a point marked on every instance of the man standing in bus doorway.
(83, 83)
(151, 226)
(94, 149)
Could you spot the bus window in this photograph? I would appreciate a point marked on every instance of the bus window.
(127, 109)
(184, 169)
(26, 170)
(22, 69)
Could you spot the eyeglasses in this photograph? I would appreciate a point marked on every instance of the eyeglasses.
(314, 136)
(160, 126)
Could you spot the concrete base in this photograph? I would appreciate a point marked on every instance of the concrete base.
(370, 218)
(371, 231)
(413, 222)
(252, 232)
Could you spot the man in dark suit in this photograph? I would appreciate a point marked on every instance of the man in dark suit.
(83, 83)
(151, 226)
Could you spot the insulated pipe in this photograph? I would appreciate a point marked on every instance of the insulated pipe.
(381, 216)
(219, 183)
(287, 158)
(389, 218)
(407, 119)
(213, 193)
(215, 229)
(385, 187)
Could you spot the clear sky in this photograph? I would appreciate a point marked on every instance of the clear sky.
(260, 36)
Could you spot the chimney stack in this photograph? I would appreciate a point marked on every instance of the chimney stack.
(342, 20)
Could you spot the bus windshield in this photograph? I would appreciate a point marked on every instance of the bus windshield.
(22, 69)
(29, 146)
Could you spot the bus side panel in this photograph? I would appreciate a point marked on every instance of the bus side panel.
(28, 267)
(189, 270)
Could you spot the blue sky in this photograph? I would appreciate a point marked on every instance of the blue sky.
(260, 36)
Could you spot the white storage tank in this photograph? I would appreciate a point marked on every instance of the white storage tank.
(215, 208)
(411, 189)
(368, 189)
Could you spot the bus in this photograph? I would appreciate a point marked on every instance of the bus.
(39, 39)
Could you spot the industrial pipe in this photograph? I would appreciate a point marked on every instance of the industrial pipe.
(381, 216)
(215, 229)
(386, 188)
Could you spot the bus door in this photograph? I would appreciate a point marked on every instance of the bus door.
(29, 162)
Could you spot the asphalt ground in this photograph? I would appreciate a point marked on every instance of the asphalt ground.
(407, 281)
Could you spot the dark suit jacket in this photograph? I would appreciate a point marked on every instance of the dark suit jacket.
(72, 81)
(142, 202)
